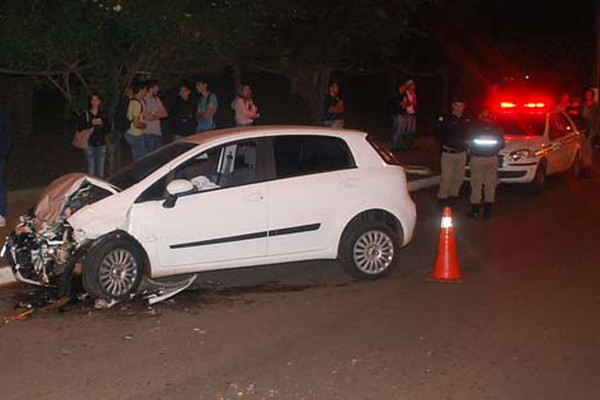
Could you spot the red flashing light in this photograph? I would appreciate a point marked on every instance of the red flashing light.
(507, 104)
(534, 105)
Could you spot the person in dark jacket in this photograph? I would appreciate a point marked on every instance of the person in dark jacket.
(95, 118)
(451, 132)
(5, 145)
(183, 113)
(486, 141)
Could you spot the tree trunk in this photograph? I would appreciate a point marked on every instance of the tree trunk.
(237, 78)
(17, 100)
(311, 85)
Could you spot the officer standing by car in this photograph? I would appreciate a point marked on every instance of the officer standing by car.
(486, 141)
(452, 133)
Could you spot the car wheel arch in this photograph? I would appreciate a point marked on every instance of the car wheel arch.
(121, 234)
(373, 215)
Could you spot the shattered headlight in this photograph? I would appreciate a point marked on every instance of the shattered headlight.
(79, 234)
(521, 154)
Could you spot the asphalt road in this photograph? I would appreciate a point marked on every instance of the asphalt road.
(525, 325)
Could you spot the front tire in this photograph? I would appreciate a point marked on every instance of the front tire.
(539, 180)
(576, 169)
(368, 250)
(113, 268)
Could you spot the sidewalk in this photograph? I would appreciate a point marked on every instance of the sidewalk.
(421, 163)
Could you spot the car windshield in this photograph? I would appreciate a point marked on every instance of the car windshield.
(523, 125)
(140, 169)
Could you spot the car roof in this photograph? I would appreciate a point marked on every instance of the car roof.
(270, 130)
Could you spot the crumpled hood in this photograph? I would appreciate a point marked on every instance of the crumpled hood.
(514, 143)
(55, 197)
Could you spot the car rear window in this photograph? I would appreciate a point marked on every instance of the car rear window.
(523, 125)
(384, 151)
(297, 155)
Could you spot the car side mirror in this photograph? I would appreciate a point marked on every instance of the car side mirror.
(176, 188)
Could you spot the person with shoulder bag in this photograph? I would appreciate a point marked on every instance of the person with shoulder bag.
(135, 114)
(95, 125)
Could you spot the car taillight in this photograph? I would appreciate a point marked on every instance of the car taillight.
(388, 156)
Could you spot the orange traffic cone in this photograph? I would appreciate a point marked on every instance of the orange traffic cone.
(446, 266)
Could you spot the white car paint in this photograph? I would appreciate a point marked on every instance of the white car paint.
(328, 199)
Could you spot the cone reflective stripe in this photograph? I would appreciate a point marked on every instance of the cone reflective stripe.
(446, 265)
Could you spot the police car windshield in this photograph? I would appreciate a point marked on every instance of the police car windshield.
(522, 125)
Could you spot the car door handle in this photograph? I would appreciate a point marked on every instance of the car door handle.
(351, 183)
(255, 197)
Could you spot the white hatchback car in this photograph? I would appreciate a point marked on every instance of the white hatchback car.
(227, 199)
(539, 144)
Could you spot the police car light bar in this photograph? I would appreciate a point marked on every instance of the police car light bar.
(534, 105)
(507, 104)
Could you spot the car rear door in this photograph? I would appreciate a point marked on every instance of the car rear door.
(315, 177)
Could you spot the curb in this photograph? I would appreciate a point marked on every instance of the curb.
(6, 275)
(15, 196)
(425, 183)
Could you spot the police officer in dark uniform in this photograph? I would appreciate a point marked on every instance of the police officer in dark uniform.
(486, 141)
(452, 133)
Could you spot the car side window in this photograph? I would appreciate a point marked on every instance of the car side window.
(564, 122)
(233, 164)
(297, 155)
(557, 127)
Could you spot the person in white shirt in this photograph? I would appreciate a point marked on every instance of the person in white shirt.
(243, 105)
(154, 111)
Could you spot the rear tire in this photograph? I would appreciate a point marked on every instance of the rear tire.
(368, 250)
(113, 268)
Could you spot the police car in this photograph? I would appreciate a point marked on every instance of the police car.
(539, 142)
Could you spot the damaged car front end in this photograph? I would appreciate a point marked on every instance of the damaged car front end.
(42, 250)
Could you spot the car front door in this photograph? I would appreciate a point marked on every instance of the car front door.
(316, 178)
(224, 219)
(569, 141)
(558, 144)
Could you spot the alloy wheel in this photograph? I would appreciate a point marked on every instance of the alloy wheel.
(118, 272)
(373, 252)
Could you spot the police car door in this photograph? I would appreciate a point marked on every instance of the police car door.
(558, 144)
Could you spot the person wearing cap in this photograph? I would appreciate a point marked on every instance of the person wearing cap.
(451, 132)
(486, 141)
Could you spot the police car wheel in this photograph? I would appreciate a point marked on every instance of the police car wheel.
(539, 180)
(368, 250)
(576, 167)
